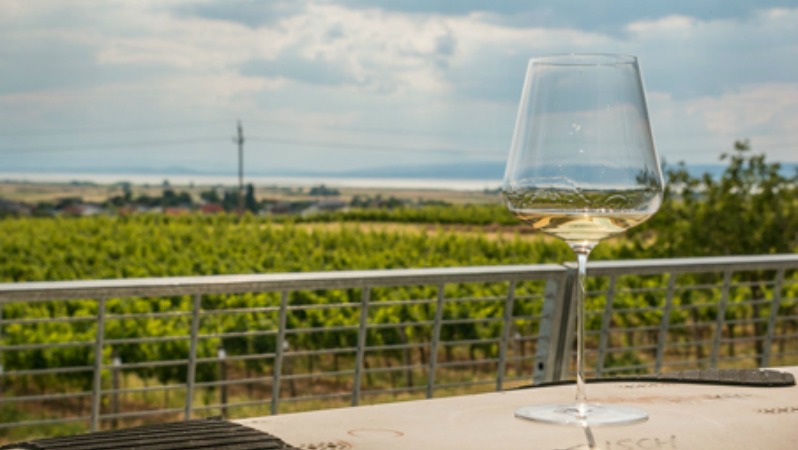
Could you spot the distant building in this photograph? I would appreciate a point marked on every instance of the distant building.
(177, 211)
(82, 210)
(325, 206)
(14, 208)
(212, 208)
(279, 208)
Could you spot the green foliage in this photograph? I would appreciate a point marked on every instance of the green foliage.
(493, 214)
(324, 191)
(751, 209)
(39, 249)
(210, 196)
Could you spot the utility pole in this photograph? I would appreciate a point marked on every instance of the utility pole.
(240, 141)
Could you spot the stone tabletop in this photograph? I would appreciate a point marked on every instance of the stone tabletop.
(682, 416)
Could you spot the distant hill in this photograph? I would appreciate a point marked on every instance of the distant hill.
(492, 170)
(480, 170)
(488, 170)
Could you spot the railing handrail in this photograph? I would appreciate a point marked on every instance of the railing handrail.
(691, 264)
(229, 284)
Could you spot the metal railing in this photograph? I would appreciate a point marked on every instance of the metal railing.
(102, 352)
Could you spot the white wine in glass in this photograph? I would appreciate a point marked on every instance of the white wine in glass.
(582, 167)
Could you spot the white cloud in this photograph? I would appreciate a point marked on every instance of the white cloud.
(381, 51)
(323, 70)
(767, 114)
(769, 106)
(674, 25)
(700, 129)
(691, 58)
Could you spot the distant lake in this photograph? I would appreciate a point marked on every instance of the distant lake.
(257, 180)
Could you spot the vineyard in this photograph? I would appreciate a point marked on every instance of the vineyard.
(148, 245)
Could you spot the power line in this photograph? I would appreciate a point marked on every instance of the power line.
(401, 131)
(345, 145)
(95, 146)
(366, 147)
(61, 131)
(144, 127)
(276, 140)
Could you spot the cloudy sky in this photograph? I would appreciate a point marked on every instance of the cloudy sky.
(335, 85)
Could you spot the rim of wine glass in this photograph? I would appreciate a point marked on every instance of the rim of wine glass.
(584, 59)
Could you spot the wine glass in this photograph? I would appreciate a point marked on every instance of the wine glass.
(582, 167)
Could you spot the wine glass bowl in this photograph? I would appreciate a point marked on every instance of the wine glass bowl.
(582, 167)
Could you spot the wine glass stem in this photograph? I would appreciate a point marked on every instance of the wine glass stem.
(579, 304)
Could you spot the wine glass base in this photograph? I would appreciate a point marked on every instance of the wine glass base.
(589, 414)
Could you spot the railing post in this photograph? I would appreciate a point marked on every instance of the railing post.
(191, 373)
(606, 321)
(550, 360)
(663, 324)
(774, 309)
(720, 321)
(507, 325)
(279, 347)
(116, 362)
(436, 335)
(555, 331)
(99, 343)
(221, 356)
(361, 345)
(2, 354)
